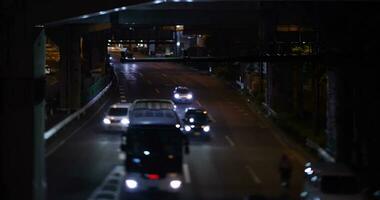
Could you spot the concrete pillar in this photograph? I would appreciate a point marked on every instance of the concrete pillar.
(70, 69)
(22, 108)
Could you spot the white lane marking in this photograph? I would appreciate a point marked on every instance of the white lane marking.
(149, 82)
(121, 92)
(75, 131)
(122, 96)
(211, 117)
(186, 173)
(229, 140)
(141, 74)
(199, 103)
(164, 75)
(123, 101)
(253, 175)
(157, 91)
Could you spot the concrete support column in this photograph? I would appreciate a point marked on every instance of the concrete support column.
(340, 112)
(22, 88)
(70, 69)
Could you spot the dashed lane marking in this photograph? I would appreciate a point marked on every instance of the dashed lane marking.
(229, 140)
(253, 175)
(164, 75)
(122, 97)
(141, 74)
(149, 82)
(157, 91)
(186, 172)
(211, 117)
(199, 103)
(123, 101)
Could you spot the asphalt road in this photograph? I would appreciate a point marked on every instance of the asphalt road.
(241, 159)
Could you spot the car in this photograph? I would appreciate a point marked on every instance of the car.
(117, 117)
(153, 104)
(335, 181)
(182, 94)
(196, 123)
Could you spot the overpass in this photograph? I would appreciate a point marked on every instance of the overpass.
(77, 24)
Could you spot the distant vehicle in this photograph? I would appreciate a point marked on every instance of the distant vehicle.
(154, 147)
(330, 181)
(182, 95)
(126, 56)
(197, 123)
(117, 118)
(154, 104)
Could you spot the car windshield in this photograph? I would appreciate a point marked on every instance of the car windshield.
(118, 111)
(156, 142)
(182, 90)
(339, 185)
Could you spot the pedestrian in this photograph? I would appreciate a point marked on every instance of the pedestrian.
(285, 169)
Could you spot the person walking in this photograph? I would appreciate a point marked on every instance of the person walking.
(285, 169)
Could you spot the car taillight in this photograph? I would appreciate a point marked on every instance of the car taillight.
(153, 176)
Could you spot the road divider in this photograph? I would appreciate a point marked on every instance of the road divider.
(52, 131)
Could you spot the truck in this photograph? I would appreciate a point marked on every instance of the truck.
(154, 145)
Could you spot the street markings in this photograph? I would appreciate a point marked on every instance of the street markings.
(186, 172)
(123, 101)
(149, 82)
(253, 175)
(211, 117)
(229, 140)
(157, 91)
(141, 75)
(164, 75)
(111, 186)
(199, 103)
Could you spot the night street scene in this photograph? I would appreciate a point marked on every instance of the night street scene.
(189, 100)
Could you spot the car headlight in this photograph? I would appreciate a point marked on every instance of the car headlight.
(106, 121)
(176, 96)
(206, 128)
(175, 184)
(178, 126)
(191, 120)
(187, 128)
(125, 121)
(189, 96)
(131, 184)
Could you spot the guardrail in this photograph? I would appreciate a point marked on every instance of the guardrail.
(52, 131)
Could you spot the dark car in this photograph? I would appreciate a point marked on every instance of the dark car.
(197, 123)
(124, 56)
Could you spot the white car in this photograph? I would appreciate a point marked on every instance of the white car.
(117, 117)
(330, 181)
(182, 95)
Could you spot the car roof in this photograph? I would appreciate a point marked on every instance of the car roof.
(195, 110)
(181, 87)
(121, 105)
(331, 169)
(154, 117)
(153, 104)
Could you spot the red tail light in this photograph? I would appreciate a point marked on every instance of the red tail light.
(153, 176)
